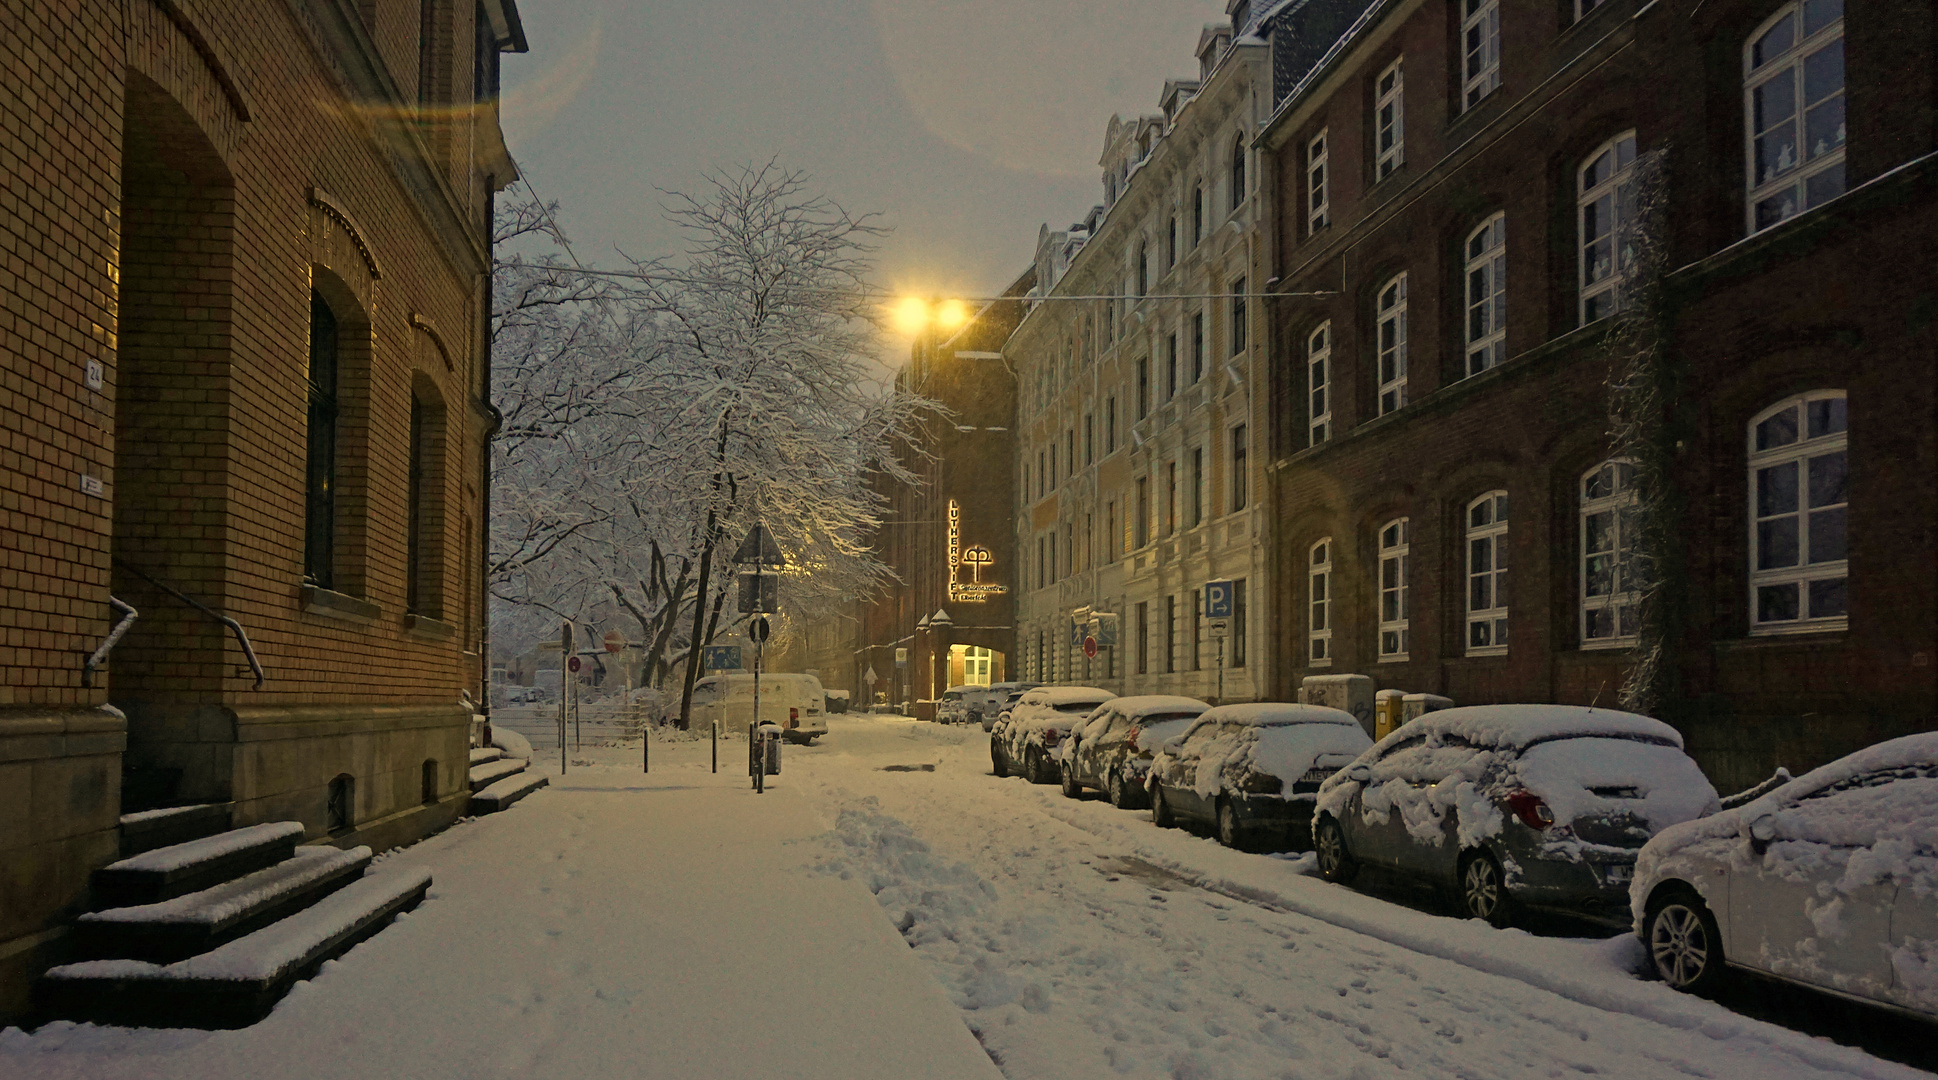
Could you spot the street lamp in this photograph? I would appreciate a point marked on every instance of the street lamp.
(912, 314)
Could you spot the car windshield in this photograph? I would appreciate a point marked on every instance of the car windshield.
(1077, 706)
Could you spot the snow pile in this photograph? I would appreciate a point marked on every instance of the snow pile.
(1579, 777)
(230, 900)
(1152, 737)
(511, 742)
(178, 856)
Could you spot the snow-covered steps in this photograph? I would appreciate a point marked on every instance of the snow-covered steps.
(180, 869)
(504, 792)
(483, 776)
(237, 984)
(482, 754)
(151, 829)
(180, 928)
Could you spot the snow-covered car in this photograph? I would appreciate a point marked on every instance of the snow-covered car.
(1510, 805)
(984, 704)
(1253, 771)
(1026, 735)
(1830, 880)
(950, 708)
(1112, 750)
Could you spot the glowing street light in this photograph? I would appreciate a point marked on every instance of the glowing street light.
(912, 314)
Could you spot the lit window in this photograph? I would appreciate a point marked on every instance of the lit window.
(1487, 295)
(1487, 574)
(1793, 108)
(1480, 44)
(1603, 211)
(1318, 356)
(1392, 345)
(1389, 133)
(1611, 586)
(1393, 622)
(1320, 630)
(1318, 205)
(1799, 505)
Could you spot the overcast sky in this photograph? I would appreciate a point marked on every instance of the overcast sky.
(967, 123)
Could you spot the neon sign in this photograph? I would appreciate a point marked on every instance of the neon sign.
(976, 557)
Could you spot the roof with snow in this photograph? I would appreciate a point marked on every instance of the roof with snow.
(1068, 695)
(1276, 714)
(1141, 705)
(1522, 725)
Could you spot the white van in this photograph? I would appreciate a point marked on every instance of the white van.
(795, 703)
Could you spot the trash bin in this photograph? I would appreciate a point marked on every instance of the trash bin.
(1387, 712)
(771, 747)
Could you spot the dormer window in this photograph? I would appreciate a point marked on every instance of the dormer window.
(1241, 13)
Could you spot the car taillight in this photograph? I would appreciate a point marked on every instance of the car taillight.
(1530, 809)
(1050, 736)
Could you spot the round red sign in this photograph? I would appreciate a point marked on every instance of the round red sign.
(572, 664)
(615, 641)
(1090, 647)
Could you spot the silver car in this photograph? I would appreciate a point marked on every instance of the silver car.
(1830, 880)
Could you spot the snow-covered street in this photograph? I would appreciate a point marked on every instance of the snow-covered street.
(677, 924)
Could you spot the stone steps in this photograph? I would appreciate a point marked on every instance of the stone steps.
(165, 873)
(482, 754)
(504, 792)
(151, 829)
(238, 983)
(177, 929)
(483, 776)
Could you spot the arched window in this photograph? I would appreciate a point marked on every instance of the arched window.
(1793, 111)
(1602, 211)
(1394, 554)
(1391, 336)
(319, 533)
(340, 811)
(1799, 464)
(1487, 294)
(1318, 358)
(1237, 173)
(428, 782)
(1319, 630)
(1480, 46)
(1610, 588)
(1487, 575)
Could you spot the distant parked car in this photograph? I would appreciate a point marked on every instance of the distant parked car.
(837, 701)
(1565, 795)
(1831, 880)
(1253, 771)
(1112, 750)
(1025, 736)
(951, 708)
(983, 704)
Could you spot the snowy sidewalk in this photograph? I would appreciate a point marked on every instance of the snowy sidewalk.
(614, 925)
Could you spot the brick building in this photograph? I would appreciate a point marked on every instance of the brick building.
(948, 540)
(1507, 202)
(245, 289)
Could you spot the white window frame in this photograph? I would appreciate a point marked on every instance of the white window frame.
(1601, 276)
(1395, 624)
(1389, 120)
(1389, 344)
(1826, 165)
(1618, 500)
(1798, 455)
(1318, 359)
(1480, 50)
(1318, 192)
(1486, 562)
(1486, 325)
(1319, 604)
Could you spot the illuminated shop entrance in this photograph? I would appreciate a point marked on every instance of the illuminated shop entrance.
(972, 665)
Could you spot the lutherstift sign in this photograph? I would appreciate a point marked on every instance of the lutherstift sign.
(976, 557)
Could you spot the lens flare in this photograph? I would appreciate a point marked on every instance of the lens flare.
(911, 315)
(952, 314)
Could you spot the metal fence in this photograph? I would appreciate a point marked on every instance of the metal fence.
(605, 722)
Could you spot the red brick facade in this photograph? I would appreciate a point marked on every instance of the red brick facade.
(1839, 297)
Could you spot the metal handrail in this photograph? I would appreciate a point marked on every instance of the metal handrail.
(128, 617)
(242, 636)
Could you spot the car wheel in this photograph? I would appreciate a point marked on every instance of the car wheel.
(1336, 864)
(998, 761)
(1119, 796)
(1036, 767)
(1684, 942)
(1483, 889)
(1229, 833)
(1161, 815)
(1071, 789)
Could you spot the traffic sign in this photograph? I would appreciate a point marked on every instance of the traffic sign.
(870, 677)
(1090, 647)
(1218, 627)
(1218, 599)
(720, 656)
(573, 665)
(758, 630)
(615, 641)
(759, 592)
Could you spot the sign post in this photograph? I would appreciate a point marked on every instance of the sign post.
(759, 594)
(1218, 609)
(565, 652)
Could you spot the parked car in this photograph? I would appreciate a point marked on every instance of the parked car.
(793, 702)
(1026, 735)
(1253, 771)
(983, 704)
(951, 708)
(837, 701)
(1564, 796)
(1831, 880)
(1112, 750)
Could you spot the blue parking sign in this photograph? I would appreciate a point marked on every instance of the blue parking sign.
(1218, 599)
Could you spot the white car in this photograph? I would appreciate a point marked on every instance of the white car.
(1830, 880)
(1026, 736)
